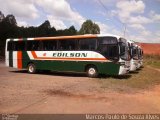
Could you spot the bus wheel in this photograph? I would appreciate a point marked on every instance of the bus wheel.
(31, 68)
(92, 72)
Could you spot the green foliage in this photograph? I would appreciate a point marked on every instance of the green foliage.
(9, 29)
(88, 27)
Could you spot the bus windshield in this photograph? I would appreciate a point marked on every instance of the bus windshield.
(108, 47)
(124, 50)
(134, 52)
(140, 53)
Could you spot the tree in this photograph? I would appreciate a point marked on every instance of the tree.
(44, 29)
(88, 27)
(72, 30)
(9, 29)
(1, 16)
(46, 24)
(11, 20)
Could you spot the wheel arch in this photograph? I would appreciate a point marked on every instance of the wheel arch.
(90, 65)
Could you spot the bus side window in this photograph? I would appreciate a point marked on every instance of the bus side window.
(32, 45)
(49, 45)
(52, 45)
(62, 45)
(20, 45)
(10, 46)
(67, 44)
(72, 44)
(35, 45)
(15, 46)
(29, 46)
(87, 44)
(44, 45)
(40, 46)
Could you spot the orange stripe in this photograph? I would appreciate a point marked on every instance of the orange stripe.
(71, 58)
(19, 60)
(34, 54)
(19, 57)
(65, 37)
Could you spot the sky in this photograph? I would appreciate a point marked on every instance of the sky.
(137, 20)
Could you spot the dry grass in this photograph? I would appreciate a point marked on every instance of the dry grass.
(152, 60)
(143, 79)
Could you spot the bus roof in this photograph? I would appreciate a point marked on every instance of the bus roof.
(70, 37)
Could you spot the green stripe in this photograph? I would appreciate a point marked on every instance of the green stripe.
(109, 68)
(25, 57)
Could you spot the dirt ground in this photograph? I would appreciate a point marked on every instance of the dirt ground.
(21, 92)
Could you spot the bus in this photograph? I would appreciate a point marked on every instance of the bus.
(92, 54)
(133, 51)
(140, 57)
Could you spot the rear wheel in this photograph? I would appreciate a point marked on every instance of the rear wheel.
(92, 71)
(31, 68)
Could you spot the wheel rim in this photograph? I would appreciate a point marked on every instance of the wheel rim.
(31, 68)
(91, 71)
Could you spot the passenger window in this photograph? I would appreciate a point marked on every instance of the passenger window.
(67, 44)
(49, 45)
(87, 44)
(33, 45)
(20, 45)
(16, 46)
(10, 46)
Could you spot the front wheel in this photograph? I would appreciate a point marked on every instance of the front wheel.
(31, 68)
(92, 72)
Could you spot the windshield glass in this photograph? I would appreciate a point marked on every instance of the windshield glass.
(140, 53)
(134, 52)
(108, 47)
(124, 49)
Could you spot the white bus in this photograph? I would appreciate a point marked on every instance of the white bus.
(92, 54)
(140, 57)
(133, 50)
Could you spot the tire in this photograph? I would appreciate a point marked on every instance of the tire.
(31, 68)
(92, 71)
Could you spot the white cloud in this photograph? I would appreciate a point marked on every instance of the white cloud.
(114, 13)
(146, 33)
(117, 32)
(131, 13)
(137, 26)
(101, 13)
(145, 36)
(103, 27)
(158, 33)
(126, 11)
(139, 20)
(20, 8)
(61, 9)
(129, 7)
(58, 24)
(22, 23)
(136, 38)
(26, 10)
(154, 16)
